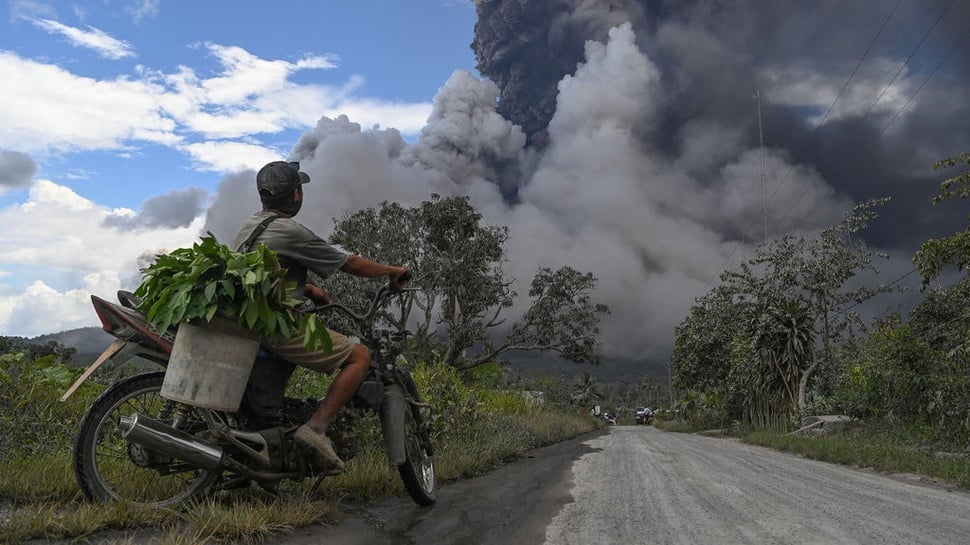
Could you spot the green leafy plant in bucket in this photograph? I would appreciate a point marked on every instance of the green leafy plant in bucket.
(195, 284)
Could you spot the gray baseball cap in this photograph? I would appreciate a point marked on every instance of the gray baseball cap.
(276, 180)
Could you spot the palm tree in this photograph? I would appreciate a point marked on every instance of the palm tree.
(784, 341)
(586, 390)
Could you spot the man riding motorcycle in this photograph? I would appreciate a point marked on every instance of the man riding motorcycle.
(280, 186)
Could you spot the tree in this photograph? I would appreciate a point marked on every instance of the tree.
(772, 324)
(942, 318)
(784, 339)
(463, 290)
(457, 265)
(586, 390)
(702, 341)
(816, 271)
(561, 319)
(935, 255)
(649, 392)
(34, 350)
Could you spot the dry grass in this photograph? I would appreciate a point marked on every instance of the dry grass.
(41, 478)
(869, 452)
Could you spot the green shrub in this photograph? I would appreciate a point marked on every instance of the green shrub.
(895, 376)
(32, 418)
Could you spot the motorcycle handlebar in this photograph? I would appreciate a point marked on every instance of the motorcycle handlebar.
(385, 292)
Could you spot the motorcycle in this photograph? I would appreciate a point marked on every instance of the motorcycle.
(135, 445)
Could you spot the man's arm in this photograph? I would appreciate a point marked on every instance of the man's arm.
(363, 267)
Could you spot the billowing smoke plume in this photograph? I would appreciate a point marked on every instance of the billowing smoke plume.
(713, 55)
(621, 138)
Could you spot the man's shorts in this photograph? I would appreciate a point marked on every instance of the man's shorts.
(292, 350)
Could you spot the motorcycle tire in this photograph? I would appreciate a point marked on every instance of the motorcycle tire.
(109, 468)
(418, 471)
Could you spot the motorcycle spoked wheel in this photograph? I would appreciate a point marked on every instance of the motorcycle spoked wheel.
(418, 471)
(109, 468)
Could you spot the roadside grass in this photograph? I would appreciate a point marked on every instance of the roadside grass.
(476, 429)
(675, 426)
(58, 520)
(871, 452)
(866, 446)
(41, 478)
(253, 520)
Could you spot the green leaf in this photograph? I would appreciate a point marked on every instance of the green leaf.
(209, 278)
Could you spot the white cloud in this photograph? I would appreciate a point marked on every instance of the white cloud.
(225, 156)
(45, 108)
(58, 236)
(41, 307)
(143, 8)
(407, 118)
(58, 228)
(93, 38)
(803, 85)
(246, 75)
(29, 9)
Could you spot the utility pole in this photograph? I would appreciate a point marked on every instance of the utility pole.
(761, 142)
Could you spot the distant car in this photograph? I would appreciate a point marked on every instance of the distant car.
(644, 415)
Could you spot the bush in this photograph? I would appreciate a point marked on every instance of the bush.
(32, 418)
(895, 376)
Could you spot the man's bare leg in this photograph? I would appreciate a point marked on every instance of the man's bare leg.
(343, 387)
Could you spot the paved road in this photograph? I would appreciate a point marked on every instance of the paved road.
(639, 485)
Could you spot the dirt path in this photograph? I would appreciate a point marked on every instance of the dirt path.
(687, 489)
(640, 485)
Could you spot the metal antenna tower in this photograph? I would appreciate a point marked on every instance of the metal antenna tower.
(761, 142)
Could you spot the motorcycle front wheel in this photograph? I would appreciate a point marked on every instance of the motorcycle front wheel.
(109, 468)
(418, 470)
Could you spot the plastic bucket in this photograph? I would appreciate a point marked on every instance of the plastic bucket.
(210, 364)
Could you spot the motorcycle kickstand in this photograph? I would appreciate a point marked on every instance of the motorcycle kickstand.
(317, 483)
(321, 477)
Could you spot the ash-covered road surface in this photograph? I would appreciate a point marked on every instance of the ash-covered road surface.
(639, 485)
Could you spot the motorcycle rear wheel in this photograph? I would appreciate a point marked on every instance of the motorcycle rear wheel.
(109, 468)
(418, 471)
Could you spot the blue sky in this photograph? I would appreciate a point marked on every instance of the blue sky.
(116, 102)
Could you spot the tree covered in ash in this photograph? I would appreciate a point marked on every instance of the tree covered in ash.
(464, 294)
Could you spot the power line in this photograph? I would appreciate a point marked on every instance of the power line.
(910, 99)
(825, 117)
(910, 57)
(822, 121)
(883, 287)
(925, 81)
(918, 89)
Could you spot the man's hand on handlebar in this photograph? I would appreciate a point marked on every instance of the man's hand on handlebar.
(316, 294)
(399, 279)
(394, 287)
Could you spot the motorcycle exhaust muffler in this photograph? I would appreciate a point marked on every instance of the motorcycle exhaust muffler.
(169, 441)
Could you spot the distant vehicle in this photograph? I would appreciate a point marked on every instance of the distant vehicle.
(609, 418)
(644, 415)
